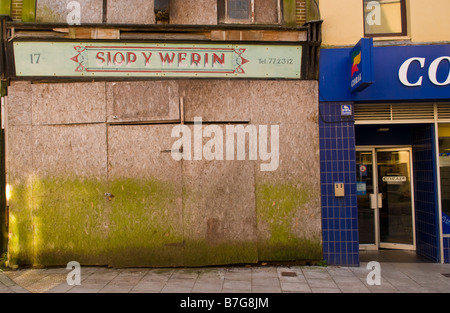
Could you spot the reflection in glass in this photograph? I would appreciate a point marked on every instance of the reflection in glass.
(364, 187)
(444, 163)
(394, 183)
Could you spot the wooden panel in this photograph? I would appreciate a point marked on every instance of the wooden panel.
(145, 101)
(19, 103)
(193, 12)
(266, 11)
(122, 12)
(70, 150)
(20, 170)
(57, 208)
(223, 100)
(219, 211)
(279, 102)
(146, 216)
(50, 11)
(68, 103)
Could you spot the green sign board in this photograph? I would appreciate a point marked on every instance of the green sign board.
(94, 59)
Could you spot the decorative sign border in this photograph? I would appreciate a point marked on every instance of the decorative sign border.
(94, 59)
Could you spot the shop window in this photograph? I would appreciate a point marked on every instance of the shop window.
(384, 18)
(235, 11)
(444, 162)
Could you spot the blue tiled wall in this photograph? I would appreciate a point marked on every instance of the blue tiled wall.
(447, 250)
(337, 165)
(425, 187)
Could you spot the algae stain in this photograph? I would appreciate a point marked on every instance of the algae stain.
(146, 221)
(58, 220)
(20, 244)
(278, 208)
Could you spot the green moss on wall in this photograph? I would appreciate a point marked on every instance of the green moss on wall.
(28, 11)
(146, 223)
(5, 7)
(57, 220)
(71, 220)
(202, 253)
(20, 245)
(277, 206)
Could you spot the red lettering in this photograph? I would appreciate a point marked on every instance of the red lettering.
(167, 58)
(100, 57)
(131, 57)
(195, 59)
(122, 58)
(147, 58)
(181, 58)
(216, 59)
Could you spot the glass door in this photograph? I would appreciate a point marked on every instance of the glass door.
(385, 198)
(365, 190)
(396, 211)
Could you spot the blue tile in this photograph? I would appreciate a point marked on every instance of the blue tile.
(339, 227)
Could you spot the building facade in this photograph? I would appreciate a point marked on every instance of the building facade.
(157, 133)
(384, 103)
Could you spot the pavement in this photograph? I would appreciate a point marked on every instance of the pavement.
(395, 278)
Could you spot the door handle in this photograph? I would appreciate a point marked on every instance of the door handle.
(380, 200)
(376, 201)
(373, 201)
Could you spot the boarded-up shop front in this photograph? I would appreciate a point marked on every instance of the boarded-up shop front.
(161, 153)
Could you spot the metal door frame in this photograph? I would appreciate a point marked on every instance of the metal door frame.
(375, 246)
(378, 244)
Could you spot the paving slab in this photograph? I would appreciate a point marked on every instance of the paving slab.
(395, 278)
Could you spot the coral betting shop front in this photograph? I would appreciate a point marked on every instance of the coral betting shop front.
(385, 137)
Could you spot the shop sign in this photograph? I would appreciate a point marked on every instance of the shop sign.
(361, 64)
(432, 73)
(400, 73)
(394, 179)
(95, 59)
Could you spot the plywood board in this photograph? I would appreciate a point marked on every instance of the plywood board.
(143, 101)
(68, 103)
(146, 215)
(19, 103)
(193, 12)
(219, 211)
(70, 151)
(121, 12)
(50, 11)
(279, 102)
(216, 100)
(266, 11)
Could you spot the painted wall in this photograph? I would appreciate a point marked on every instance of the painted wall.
(343, 22)
(63, 158)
